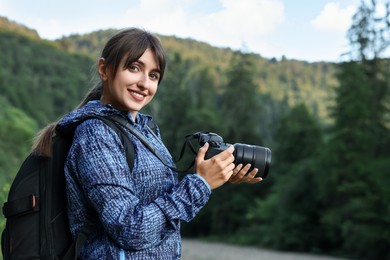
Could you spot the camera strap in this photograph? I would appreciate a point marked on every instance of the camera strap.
(188, 143)
(126, 124)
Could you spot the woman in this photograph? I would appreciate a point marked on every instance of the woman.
(138, 212)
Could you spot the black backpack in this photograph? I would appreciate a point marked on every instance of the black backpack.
(37, 223)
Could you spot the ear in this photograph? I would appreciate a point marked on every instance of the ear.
(102, 69)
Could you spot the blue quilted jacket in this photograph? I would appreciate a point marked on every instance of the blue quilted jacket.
(138, 212)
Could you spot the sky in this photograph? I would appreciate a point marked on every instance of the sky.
(309, 30)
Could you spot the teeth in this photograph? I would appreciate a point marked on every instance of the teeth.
(137, 94)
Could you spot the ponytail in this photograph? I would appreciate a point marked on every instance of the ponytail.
(94, 94)
(43, 140)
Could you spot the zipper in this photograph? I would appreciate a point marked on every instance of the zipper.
(122, 254)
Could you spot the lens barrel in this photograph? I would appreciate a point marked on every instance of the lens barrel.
(259, 157)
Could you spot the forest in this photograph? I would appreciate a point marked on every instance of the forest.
(327, 124)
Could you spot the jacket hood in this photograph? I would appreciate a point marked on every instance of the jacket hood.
(92, 109)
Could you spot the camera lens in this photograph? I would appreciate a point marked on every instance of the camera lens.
(259, 157)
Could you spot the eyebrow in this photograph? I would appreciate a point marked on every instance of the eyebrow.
(153, 70)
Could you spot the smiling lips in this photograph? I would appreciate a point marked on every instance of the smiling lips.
(136, 95)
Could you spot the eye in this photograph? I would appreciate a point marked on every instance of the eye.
(134, 67)
(155, 76)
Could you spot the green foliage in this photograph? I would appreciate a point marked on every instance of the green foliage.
(355, 211)
(288, 218)
(299, 136)
(16, 133)
(291, 208)
(240, 101)
(354, 121)
(39, 78)
(353, 189)
(350, 192)
(89, 44)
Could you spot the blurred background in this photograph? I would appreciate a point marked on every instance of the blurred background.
(325, 116)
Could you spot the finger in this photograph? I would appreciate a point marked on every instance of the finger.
(237, 169)
(230, 167)
(243, 176)
(227, 154)
(255, 180)
(249, 177)
(240, 173)
(229, 171)
(252, 174)
(202, 152)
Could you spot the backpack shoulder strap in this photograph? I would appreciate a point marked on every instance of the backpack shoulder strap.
(123, 123)
(129, 147)
(111, 122)
(152, 126)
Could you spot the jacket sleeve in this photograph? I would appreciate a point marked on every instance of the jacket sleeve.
(97, 159)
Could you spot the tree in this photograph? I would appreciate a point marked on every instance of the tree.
(240, 106)
(288, 218)
(369, 34)
(369, 38)
(299, 135)
(202, 113)
(351, 195)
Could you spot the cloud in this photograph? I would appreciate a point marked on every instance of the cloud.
(235, 23)
(333, 18)
(380, 9)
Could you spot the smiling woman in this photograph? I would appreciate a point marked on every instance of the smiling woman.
(138, 209)
(131, 84)
(133, 87)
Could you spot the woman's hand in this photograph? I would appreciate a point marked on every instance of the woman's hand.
(241, 175)
(218, 169)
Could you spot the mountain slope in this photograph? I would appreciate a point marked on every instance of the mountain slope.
(289, 81)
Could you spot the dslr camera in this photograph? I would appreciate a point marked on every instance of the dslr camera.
(259, 157)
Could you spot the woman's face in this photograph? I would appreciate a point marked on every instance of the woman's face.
(132, 88)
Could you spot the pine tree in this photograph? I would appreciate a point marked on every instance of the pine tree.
(369, 38)
(352, 185)
(240, 102)
(288, 218)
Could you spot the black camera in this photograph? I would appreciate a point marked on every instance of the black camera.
(259, 157)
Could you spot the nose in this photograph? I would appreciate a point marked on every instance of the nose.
(144, 82)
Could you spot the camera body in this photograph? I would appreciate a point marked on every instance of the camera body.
(216, 144)
(259, 157)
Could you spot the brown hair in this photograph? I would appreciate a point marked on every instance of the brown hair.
(128, 44)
